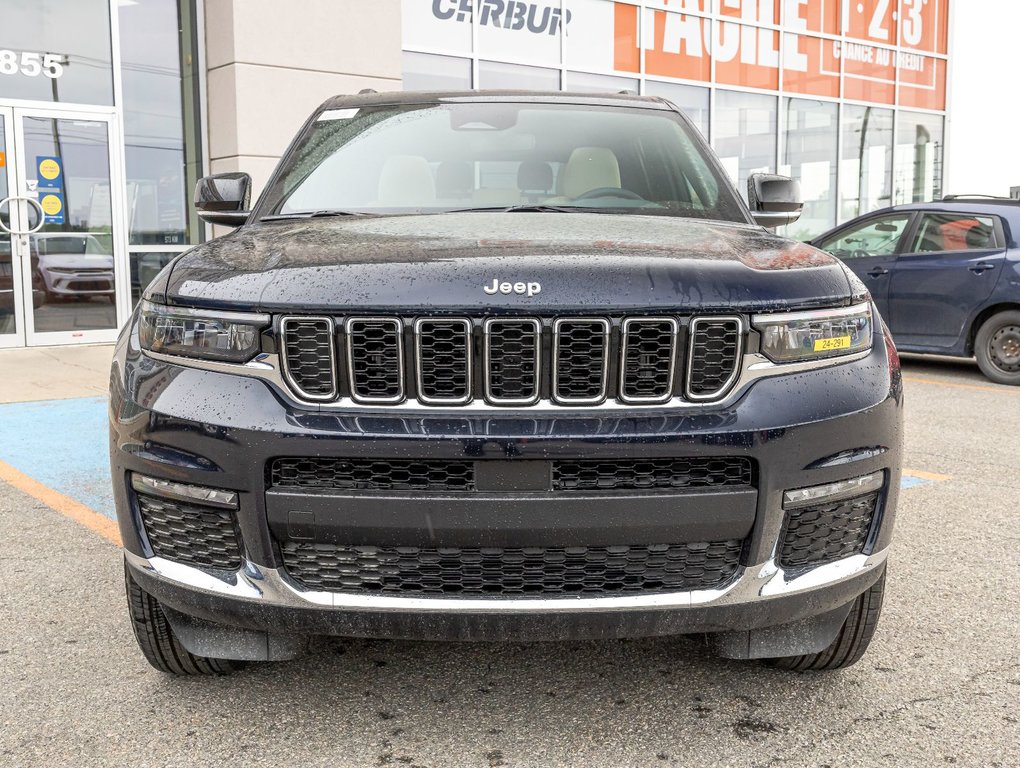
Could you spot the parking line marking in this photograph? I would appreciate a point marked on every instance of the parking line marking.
(932, 476)
(954, 385)
(58, 502)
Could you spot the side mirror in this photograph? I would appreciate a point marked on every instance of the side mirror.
(224, 198)
(774, 200)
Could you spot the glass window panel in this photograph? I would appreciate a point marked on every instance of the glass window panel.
(144, 268)
(745, 134)
(692, 100)
(874, 237)
(810, 154)
(939, 232)
(494, 74)
(592, 83)
(919, 150)
(56, 50)
(154, 123)
(73, 253)
(426, 72)
(866, 169)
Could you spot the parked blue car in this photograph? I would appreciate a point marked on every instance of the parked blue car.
(945, 276)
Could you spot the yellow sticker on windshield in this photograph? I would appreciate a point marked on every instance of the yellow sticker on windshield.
(828, 345)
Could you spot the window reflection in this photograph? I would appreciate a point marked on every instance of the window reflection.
(154, 123)
(692, 100)
(810, 156)
(745, 134)
(866, 171)
(428, 72)
(75, 34)
(918, 158)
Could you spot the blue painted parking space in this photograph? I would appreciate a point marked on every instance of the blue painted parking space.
(63, 444)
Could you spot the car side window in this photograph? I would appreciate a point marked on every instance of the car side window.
(939, 232)
(874, 237)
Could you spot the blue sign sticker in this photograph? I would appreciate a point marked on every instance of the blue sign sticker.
(52, 202)
(50, 172)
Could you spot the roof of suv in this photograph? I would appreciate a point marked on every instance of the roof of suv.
(371, 98)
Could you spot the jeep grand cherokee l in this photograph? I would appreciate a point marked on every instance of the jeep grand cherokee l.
(503, 366)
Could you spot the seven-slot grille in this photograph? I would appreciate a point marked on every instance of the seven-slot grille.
(511, 361)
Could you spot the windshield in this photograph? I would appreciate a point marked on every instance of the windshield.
(450, 157)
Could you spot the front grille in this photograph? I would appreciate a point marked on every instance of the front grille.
(580, 361)
(189, 533)
(649, 352)
(638, 474)
(309, 357)
(444, 360)
(512, 361)
(513, 571)
(714, 357)
(827, 532)
(311, 474)
(376, 359)
(576, 362)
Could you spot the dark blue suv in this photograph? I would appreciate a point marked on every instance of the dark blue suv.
(945, 276)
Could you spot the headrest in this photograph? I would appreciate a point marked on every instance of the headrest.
(534, 176)
(590, 168)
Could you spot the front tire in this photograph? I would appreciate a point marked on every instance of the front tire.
(852, 641)
(997, 348)
(157, 640)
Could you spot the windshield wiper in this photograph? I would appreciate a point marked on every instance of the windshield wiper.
(530, 208)
(314, 214)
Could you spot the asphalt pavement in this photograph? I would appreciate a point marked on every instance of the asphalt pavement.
(940, 685)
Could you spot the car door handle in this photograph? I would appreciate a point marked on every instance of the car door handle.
(981, 266)
(878, 272)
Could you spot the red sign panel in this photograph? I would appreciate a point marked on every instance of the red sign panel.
(865, 50)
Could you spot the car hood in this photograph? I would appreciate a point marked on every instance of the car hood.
(582, 262)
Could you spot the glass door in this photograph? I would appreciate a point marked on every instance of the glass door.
(12, 316)
(69, 200)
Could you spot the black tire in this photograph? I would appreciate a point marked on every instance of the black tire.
(157, 640)
(997, 348)
(851, 642)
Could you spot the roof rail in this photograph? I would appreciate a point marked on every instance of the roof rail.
(951, 198)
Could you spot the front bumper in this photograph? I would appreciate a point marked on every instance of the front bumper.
(216, 430)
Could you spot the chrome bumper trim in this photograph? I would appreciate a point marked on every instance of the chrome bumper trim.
(270, 586)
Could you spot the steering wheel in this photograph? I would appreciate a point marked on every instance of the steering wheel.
(599, 192)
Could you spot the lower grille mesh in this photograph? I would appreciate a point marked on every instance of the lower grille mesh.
(187, 533)
(637, 474)
(372, 474)
(826, 533)
(513, 572)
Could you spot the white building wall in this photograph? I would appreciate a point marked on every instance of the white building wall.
(984, 109)
(270, 64)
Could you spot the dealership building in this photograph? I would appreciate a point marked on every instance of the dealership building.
(111, 109)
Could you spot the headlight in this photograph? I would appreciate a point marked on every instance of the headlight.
(212, 335)
(793, 336)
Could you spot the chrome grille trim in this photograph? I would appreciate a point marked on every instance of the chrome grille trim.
(291, 381)
(536, 325)
(739, 354)
(469, 361)
(398, 330)
(595, 400)
(639, 400)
